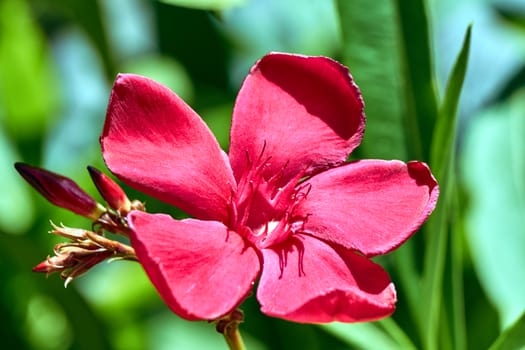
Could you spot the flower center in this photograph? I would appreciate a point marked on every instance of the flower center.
(264, 208)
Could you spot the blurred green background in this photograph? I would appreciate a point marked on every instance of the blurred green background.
(460, 281)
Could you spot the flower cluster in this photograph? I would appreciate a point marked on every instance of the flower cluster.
(85, 248)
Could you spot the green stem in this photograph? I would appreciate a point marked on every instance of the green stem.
(233, 337)
(229, 327)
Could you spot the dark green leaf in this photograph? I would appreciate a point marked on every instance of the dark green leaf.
(205, 4)
(512, 338)
(421, 105)
(372, 49)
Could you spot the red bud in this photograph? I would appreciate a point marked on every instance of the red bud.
(110, 191)
(60, 190)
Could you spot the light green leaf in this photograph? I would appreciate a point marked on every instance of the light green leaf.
(205, 4)
(443, 140)
(16, 206)
(27, 83)
(493, 172)
(513, 338)
(166, 332)
(384, 334)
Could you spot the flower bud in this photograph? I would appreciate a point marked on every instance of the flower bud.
(50, 265)
(110, 191)
(60, 191)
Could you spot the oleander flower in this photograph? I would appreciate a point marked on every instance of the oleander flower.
(283, 208)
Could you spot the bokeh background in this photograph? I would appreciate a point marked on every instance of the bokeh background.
(461, 280)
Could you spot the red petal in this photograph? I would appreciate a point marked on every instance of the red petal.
(157, 144)
(372, 206)
(305, 112)
(309, 281)
(200, 269)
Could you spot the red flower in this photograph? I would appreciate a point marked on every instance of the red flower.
(283, 205)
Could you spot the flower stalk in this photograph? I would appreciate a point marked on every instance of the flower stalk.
(229, 327)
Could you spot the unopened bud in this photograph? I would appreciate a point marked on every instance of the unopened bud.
(60, 190)
(49, 265)
(110, 191)
(86, 250)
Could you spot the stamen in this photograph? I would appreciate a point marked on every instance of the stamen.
(263, 207)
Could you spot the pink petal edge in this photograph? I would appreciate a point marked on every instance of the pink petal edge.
(302, 111)
(309, 281)
(372, 206)
(154, 142)
(200, 268)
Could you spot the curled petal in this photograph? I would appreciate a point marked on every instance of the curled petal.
(372, 206)
(200, 268)
(309, 281)
(157, 144)
(305, 112)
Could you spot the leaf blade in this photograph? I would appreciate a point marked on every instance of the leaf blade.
(371, 34)
(205, 4)
(443, 165)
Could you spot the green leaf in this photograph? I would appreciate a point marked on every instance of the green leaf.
(16, 206)
(384, 334)
(512, 338)
(421, 103)
(27, 84)
(386, 47)
(205, 4)
(443, 140)
(443, 165)
(372, 49)
(493, 172)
